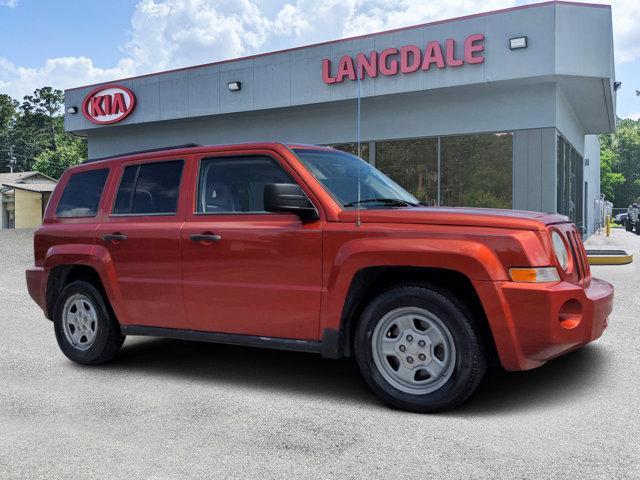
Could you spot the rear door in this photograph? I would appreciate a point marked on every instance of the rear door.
(141, 231)
(247, 271)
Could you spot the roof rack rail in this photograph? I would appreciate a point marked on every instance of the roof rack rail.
(150, 150)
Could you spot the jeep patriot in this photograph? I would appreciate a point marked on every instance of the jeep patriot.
(307, 248)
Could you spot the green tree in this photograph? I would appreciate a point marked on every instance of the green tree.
(44, 108)
(8, 114)
(69, 152)
(34, 132)
(620, 163)
(610, 180)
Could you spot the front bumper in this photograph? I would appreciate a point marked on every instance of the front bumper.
(36, 285)
(539, 322)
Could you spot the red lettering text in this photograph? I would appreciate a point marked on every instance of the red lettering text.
(433, 54)
(410, 59)
(345, 68)
(388, 67)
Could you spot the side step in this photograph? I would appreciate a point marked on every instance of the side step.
(608, 257)
(328, 347)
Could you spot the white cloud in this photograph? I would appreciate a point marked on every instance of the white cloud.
(633, 116)
(60, 72)
(174, 33)
(8, 3)
(626, 34)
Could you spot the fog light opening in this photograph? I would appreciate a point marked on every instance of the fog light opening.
(570, 314)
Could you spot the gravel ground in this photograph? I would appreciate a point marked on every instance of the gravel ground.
(171, 409)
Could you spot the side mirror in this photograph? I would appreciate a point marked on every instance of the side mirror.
(289, 197)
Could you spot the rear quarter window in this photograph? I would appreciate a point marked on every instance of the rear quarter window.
(81, 195)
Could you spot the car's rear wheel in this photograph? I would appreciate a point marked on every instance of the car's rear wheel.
(419, 349)
(85, 329)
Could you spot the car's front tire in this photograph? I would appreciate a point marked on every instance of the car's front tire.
(85, 329)
(419, 349)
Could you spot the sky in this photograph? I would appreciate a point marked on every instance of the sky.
(67, 43)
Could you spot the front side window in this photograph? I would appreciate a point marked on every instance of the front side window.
(149, 189)
(352, 181)
(81, 195)
(236, 184)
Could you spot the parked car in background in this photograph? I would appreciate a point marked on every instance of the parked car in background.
(632, 221)
(310, 249)
(620, 218)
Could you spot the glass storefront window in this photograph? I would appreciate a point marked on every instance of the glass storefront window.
(473, 171)
(352, 148)
(477, 170)
(570, 171)
(413, 164)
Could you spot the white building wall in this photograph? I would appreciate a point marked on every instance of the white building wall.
(592, 179)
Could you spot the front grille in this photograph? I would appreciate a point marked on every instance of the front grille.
(579, 254)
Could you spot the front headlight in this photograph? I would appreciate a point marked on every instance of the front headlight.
(560, 250)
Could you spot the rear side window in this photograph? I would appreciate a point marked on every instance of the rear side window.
(149, 189)
(81, 195)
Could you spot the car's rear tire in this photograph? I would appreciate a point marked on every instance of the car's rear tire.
(85, 329)
(419, 349)
(628, 226)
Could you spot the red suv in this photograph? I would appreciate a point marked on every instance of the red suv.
(311, 249)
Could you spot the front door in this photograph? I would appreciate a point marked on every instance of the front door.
(142, 235)
(247, 271)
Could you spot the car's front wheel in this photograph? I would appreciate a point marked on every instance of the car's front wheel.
(419, 349)
(85, 329)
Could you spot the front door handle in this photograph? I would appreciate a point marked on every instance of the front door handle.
(205, 237)
(114, 237)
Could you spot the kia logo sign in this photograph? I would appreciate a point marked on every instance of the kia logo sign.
(108, 104)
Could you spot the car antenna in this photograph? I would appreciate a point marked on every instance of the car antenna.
(358, 221)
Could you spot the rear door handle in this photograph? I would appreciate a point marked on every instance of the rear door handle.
(114, 237)
(205, 237)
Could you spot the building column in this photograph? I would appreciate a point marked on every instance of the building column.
(534, 169)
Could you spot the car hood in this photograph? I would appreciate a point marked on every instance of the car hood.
(477, 217)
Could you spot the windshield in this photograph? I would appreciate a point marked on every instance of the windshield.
(340, 172)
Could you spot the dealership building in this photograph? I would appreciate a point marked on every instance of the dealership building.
(499, 109)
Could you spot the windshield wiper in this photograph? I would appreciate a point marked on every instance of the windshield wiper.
(386, 201)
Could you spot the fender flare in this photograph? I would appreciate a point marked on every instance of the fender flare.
(473, 259)
(96, 257)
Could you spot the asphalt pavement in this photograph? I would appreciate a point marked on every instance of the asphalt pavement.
(169, 409)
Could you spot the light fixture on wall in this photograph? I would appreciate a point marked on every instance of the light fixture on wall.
(72, 110)
(516, 43)
(234, 86)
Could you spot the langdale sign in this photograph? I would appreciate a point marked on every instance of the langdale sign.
(108, 104)
(406, 59)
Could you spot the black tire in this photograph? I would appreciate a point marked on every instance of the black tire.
(628, 226)
(108, 337)
(470, 362)
(638, 228)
